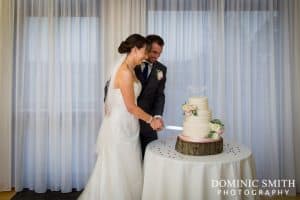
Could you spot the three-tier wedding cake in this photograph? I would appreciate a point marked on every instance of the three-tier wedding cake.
(201, 134)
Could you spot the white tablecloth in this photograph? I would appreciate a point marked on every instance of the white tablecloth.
(169, 175)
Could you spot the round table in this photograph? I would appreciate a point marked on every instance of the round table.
(171, 175)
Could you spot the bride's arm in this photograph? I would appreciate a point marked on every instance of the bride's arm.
(125, 83)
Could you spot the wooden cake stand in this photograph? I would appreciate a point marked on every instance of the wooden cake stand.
(200, 147)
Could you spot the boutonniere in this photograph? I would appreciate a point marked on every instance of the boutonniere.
(159, 74)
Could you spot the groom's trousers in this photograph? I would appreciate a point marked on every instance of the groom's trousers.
(146, 139)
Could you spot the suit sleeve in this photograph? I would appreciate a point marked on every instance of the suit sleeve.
(159, 102)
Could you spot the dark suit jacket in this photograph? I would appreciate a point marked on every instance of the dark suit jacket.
(152, 96)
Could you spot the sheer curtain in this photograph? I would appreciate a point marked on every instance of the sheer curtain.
(119, 19)
(57, 100)
(242, 54)
(295, 43)
(238, 54)
(6, 65)
(63, 53)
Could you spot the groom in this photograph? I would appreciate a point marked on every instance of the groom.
(152, 75)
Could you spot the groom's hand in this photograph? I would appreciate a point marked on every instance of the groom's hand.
(156, 124)
(162, 123)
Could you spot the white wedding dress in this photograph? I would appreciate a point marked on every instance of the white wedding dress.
(118, 170)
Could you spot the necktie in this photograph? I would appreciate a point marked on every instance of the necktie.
(145, 71)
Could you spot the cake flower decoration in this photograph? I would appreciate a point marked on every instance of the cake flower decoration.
(189, 109)
(216, 129)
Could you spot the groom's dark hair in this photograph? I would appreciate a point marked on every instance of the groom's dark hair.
(155, 39)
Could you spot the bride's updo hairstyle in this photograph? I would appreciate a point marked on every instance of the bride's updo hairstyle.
(134, 40)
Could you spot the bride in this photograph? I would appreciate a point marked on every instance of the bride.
(118, 170)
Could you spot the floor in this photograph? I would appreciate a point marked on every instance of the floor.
(6, 195)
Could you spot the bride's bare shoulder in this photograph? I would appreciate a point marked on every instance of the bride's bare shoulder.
(123, 75)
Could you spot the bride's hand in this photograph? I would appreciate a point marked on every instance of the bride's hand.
(156, 124)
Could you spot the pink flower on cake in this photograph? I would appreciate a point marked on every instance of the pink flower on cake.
(189, 109)
(159, 74)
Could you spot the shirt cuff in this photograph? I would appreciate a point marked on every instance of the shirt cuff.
(157, 116)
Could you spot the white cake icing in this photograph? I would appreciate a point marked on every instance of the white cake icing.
(200, 102)
(196, 126)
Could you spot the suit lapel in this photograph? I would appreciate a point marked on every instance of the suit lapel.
(139, 75)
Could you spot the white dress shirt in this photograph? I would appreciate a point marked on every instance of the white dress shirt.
(150, 66)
